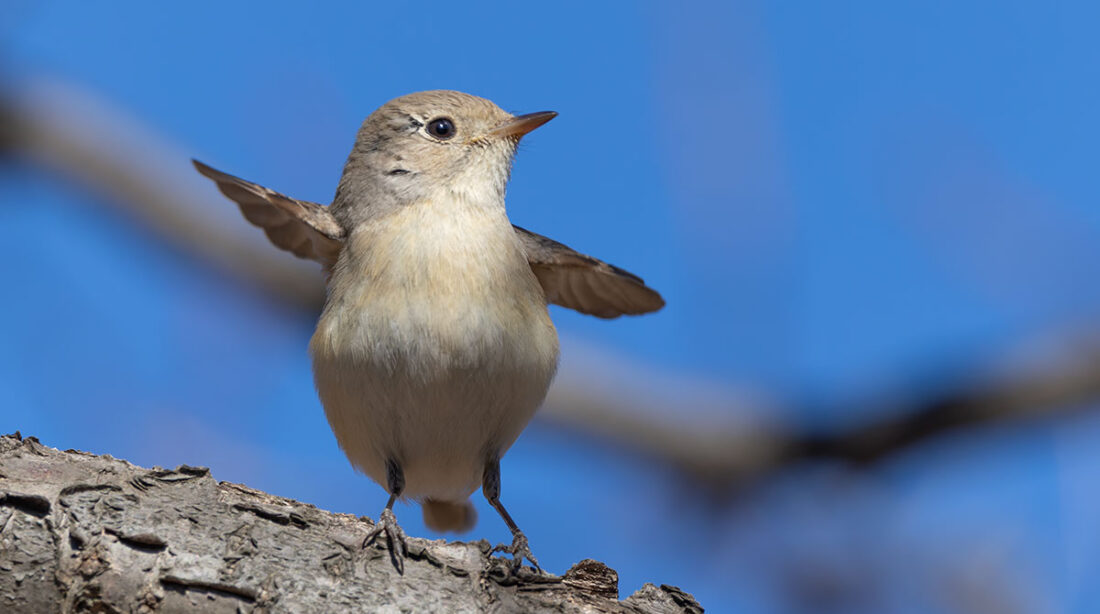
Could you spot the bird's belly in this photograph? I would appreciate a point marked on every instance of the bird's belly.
(435, 373)
(437, 409)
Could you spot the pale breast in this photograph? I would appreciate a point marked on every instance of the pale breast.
(435, 345)
(445, 276)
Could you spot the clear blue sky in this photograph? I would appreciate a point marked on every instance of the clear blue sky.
(834, 199)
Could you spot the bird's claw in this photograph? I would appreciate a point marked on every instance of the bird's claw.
(395, 539)
(519, 550)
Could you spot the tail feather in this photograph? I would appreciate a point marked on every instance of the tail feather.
(447, 516)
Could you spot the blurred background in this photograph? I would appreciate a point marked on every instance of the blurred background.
(875, 385)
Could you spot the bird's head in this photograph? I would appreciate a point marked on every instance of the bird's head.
(418, 144)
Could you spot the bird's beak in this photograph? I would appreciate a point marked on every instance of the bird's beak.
(522, 124)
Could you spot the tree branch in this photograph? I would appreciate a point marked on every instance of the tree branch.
(80, 532)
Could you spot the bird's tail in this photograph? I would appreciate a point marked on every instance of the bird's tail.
(446, 516)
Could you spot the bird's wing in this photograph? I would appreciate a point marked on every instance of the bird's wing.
(303, 228)
(581, 282)
(568, 278)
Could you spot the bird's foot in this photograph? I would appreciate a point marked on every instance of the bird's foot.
(395, 538)
(519, 551)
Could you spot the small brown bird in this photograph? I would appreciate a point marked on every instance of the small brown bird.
(435, 346)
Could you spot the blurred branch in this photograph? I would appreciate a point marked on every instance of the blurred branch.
(725, 459)
(63, 131)
(1058, 390)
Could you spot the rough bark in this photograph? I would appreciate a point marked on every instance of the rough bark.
(86, 533)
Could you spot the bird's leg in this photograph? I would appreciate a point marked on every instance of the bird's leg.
(490, 487)
(387, 523)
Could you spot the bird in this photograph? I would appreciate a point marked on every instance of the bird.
(435, 346)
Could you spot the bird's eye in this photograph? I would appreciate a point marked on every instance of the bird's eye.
(441, 128)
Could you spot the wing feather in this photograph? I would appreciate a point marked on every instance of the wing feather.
(305, 229)
(583, 283)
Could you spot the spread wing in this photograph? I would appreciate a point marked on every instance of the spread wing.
(569, 278)
(303, 228)
(581, 282)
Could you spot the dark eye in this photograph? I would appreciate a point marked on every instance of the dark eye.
(441, 128)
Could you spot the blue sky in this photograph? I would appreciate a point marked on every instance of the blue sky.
(836, 200)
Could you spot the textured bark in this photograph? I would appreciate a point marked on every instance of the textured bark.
(80, 532)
